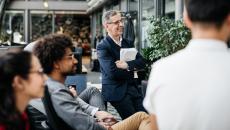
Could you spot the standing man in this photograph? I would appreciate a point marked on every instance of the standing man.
(118, 82)
(190, 90)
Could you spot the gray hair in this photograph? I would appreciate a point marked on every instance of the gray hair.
(108, 14)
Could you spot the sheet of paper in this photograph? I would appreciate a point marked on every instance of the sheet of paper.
(128, 54)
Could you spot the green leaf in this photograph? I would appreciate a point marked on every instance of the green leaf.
(166, 37)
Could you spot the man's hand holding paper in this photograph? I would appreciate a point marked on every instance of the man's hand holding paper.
(121, 64)
(128, 54)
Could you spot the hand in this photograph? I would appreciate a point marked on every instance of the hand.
(110, 121)
(121, 64)
(109, 128)
(102, 115)
(73, 91)
(105, 125)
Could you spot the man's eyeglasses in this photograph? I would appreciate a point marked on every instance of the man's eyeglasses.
(70, 56)
(117, 22)
(39, 71)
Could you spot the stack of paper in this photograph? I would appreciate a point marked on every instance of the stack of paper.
(128, 54)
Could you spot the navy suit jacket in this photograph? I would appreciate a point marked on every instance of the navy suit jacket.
(114, 80)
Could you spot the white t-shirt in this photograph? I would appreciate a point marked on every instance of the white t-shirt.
(190, 90)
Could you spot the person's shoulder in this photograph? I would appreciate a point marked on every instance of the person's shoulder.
(54, 85)
(173, 58)
(228, 50)
(2, 127)
(128, 42)
(102, 44)
(226, 55)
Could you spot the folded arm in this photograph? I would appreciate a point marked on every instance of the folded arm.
(108, 65)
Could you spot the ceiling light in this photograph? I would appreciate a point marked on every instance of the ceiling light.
(45, 3)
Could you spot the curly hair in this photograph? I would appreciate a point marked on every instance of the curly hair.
(50, 49)
(11, 65)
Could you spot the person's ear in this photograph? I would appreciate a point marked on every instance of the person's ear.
(105, 25)
(18, 83)
(228, 27)
(187, 20)
(228, 21)
(56, 65)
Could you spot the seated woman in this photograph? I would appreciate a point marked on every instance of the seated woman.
(21, 79)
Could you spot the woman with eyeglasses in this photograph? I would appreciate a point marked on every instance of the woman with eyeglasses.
(21, 79)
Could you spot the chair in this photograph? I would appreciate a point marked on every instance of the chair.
(55, 121)
(38, 121)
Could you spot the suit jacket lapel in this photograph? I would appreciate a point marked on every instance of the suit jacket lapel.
(113, 45)
(113, 48)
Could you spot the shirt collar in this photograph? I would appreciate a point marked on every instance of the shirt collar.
(118, 43)
(207, 44)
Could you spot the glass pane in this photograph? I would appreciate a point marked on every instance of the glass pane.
(99, 29)
(43, 0)
(134, 8)
(59, 0)
(147, 11)
(170, 8)
(12, 30)
(41, 25)
(77, 27)
(133, 5)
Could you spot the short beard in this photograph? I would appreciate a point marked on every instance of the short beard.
(69, 73)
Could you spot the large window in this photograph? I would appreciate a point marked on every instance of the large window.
(41, 24)
(12, 29)
(147, 11)
(74, 25)
(58, 0)
(133, 9)
(170, 8)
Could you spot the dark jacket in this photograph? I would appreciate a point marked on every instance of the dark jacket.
(114, 80)
(73, 110)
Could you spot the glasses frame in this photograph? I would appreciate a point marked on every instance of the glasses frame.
(39, 71)
(122, 20)
(70, 56)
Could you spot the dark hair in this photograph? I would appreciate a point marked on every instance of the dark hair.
(11, 65)
(50, 49)
(208, 11)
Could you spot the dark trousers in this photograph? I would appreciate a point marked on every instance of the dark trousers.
(130, 104)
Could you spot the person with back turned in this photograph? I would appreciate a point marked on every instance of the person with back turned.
(189, 90)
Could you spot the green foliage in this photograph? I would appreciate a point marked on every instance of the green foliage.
(166, 36)
(3, 37)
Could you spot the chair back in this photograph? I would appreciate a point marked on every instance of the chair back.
(38, 121)
(55, 121)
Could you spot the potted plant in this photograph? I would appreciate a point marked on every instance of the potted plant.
(166, 36)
